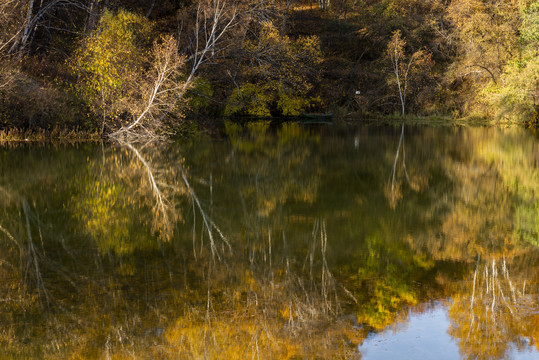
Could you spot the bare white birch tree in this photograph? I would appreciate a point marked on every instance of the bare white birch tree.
(405, 69)
(213, 20)
(19, 20)
(27, 15)
(161, 93)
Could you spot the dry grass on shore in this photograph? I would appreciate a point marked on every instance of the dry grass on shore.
(56, 134)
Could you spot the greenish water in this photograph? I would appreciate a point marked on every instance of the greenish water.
(287, 242)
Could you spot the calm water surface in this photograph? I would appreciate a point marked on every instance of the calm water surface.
(289, 242)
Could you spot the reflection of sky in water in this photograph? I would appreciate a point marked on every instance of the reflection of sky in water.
(424, 336)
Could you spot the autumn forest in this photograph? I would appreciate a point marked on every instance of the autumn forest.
(126, 66)
(269, 179)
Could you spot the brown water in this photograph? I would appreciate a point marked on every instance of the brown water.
(288, 242)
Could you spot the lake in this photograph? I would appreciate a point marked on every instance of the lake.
(274, 242)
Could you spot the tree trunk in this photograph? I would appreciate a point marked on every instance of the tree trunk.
(28, 25)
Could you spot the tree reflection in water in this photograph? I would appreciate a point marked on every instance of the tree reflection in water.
(279, 243)
(494, 312)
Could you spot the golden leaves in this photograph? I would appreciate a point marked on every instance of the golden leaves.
(279, 74)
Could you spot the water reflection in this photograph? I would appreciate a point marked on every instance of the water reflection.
(495, 314)
(424, 336)
(286, 242)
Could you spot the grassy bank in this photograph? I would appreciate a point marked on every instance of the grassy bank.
(57, 134)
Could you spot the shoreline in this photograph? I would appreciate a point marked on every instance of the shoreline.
(37, 134)
(43, 135)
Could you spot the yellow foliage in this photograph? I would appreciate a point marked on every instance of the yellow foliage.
(280, 73)
(483, 313)
(112, 51)
(111, 60)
